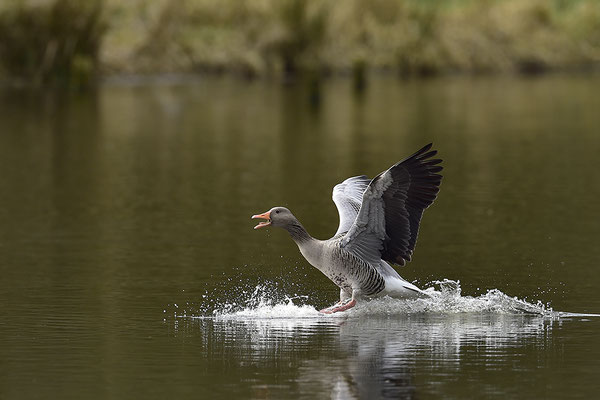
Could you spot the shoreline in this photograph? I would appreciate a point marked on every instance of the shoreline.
(74, 42)
(125, 79)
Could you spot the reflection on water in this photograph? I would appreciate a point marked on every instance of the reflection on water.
(375, 357)
(384, 348)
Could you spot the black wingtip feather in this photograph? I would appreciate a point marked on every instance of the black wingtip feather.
(426, 155)
(418, 152)
(417, 185)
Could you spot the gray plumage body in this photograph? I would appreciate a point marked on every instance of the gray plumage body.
(349, 272)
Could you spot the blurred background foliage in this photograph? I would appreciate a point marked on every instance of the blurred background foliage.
(51, 41)
(74, 41)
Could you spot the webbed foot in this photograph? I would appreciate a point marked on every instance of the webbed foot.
(339, 307)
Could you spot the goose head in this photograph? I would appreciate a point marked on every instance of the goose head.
(276, 216)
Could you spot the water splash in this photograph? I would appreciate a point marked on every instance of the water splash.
(267, 301)
(236, 295)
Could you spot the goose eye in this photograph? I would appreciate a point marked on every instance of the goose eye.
(277, 212)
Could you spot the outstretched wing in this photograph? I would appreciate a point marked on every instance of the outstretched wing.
(387, 224)
(347, 197)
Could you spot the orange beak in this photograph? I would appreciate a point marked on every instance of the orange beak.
(262, 224)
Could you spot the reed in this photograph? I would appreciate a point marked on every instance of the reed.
(51, 42)
(413, 37)
(69, 40)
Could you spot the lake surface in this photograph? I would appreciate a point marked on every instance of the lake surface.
(130, 269)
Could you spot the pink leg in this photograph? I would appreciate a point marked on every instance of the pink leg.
(342, 307)
(329, 309)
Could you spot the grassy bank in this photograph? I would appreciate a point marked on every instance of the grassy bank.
(281, 37)
(45, 42)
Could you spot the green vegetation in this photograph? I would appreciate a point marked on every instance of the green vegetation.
(57, 42)
(66, 40)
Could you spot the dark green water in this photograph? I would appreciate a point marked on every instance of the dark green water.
(122, 211)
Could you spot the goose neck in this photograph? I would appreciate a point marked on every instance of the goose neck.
(298, 233)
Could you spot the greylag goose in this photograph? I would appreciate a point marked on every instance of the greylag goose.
(379, 223)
